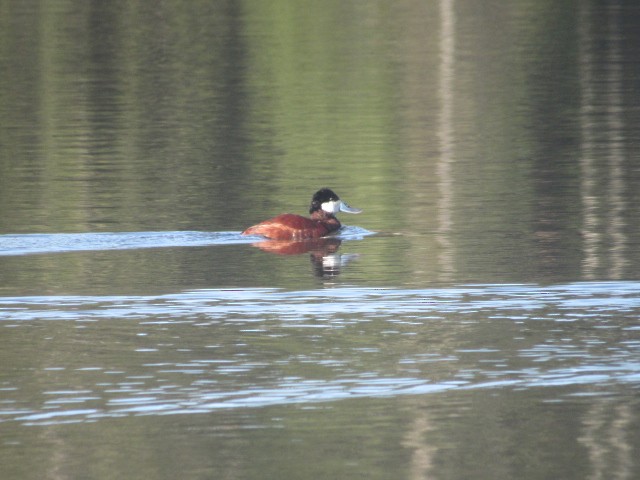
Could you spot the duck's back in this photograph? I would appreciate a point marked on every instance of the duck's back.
(289, 226)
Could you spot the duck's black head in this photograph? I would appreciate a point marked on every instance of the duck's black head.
(325, 199)
(322, 196)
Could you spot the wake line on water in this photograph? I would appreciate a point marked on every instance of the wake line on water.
(46, 243)
(29, 244)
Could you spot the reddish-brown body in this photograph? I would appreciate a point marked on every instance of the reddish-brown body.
(295, 227)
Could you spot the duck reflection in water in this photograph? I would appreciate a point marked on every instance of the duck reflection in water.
(325, 258)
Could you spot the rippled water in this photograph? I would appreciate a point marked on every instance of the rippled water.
(207, 350)
(202, 351)
(270, 356)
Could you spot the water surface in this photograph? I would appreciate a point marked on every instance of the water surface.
(480, 319)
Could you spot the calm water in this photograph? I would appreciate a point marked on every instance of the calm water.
(480, 319)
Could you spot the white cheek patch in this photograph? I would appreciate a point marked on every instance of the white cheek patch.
(332, 206)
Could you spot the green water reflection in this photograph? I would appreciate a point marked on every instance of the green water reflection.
(128, 116)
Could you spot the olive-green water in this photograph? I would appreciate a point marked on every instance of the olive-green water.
(480, 318)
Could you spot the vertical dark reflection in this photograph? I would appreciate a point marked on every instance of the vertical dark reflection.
(554, 173)
(104, 74)
(232, 139)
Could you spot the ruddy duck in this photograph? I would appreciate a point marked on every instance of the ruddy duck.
(324, 206)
